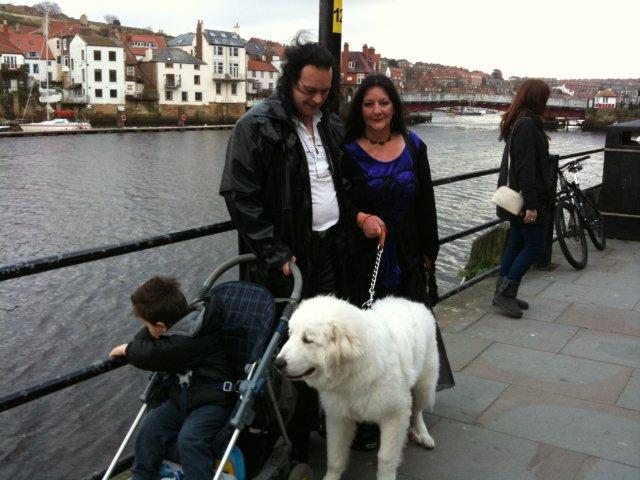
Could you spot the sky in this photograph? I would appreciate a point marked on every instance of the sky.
(533, 38)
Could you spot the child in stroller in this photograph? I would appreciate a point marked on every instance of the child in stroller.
(250, 337)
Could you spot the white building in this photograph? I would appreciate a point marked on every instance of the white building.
(224, 53)
(605, 99)
(97, 70)
(11, 60)
(262, 77)
(180, 78)
(40, 61)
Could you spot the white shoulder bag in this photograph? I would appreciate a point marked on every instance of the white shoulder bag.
(505, 197)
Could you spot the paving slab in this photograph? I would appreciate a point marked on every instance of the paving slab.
(607, 297)
(630, 397)
(532, 285)
(617, 280)
(606, 347)
(462, 348)
(602, 263)
(594, 317)
(524, 332)
(454, 319)
(595, 429)
(468, 399)
(543, 309)
(597, 469)
(465, 452)
(551, 372)
(626, 267)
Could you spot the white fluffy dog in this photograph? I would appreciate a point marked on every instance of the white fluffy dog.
(379, 365)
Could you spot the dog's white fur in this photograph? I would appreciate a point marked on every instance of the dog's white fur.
(378, 365)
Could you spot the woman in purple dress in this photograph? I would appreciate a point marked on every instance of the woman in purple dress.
(388, 185)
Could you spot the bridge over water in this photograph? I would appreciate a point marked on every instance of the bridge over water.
(556, 107)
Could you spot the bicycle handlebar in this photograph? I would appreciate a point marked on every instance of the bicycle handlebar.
(574, 162)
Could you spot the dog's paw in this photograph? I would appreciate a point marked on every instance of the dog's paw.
(422, 439)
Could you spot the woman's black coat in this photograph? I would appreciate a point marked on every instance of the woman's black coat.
(531, 172)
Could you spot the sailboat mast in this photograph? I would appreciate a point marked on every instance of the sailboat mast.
(46, 56)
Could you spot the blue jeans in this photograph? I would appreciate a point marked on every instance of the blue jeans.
(194, 432)
(526, 242)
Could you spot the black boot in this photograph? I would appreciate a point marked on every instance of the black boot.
(505, 298)
(521, 303)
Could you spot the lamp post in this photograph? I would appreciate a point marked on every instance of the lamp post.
(330, 36)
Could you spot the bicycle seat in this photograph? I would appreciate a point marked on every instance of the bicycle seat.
(573, 168)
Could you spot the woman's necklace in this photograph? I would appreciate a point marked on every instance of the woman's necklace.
(378, 142)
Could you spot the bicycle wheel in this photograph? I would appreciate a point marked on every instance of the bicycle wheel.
(570, 232)
(595, 227)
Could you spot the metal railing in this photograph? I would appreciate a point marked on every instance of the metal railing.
(485, 98)
(31, 267)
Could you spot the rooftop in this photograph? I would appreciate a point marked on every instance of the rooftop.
(175, 55)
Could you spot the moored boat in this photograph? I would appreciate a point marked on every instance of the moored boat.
(55, 125)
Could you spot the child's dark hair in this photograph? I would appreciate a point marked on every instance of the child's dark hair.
(160, 299)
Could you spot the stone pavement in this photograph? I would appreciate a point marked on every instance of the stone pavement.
(554, 395)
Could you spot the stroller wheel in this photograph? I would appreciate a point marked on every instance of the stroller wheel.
(301, 471)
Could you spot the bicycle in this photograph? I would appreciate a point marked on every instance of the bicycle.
(574, 213)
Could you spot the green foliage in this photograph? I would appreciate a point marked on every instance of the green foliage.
(469, 272)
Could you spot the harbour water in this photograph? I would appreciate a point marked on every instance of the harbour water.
(66, 193)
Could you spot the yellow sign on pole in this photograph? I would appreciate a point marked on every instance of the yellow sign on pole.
(337, 16)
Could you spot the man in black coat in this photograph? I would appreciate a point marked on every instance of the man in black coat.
(282, 186)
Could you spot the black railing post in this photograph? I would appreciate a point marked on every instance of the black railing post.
(330, 36)
(544, 260)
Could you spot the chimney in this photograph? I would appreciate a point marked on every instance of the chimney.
(148, 55)
(199, 40)
(5, 27)
(18, 28)
(236, 29)
(344, 60)
(83, 20)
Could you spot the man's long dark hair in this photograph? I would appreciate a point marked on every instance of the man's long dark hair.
(355, 122)
(297, 56)
(533, 95)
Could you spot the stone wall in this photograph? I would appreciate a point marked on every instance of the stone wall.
(149, 113)
(600, 119)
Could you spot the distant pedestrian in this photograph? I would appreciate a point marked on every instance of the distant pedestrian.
(525, 162)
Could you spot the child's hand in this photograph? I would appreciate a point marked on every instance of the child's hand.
(119, 351)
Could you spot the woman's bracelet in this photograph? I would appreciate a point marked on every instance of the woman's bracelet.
(364, 220)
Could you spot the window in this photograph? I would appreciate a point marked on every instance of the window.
(196, 79)
(262, 74)
(271, 86)
(113, 77)
(58, 59)
(113, 93)
(81, 54)
(32, 54)
(234, 88)
(129, 87)
(234, 51)
(185, 96)
(218, 50)
(270, 74)
(234, 69)
(98, 93)
(218, 68)
(198, 96)
(83, 79)
(196, 67)
(65, 61)
(218, 88)
(359, 78)
(97, 55)
(35, 68)
(112, 55)
(12, 61)
(57, 43)
(168, 95)
(64, 44)
(97, 75)
(50, 76)
(168, 65)
(130, 71)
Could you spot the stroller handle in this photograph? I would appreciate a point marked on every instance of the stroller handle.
(296, 293)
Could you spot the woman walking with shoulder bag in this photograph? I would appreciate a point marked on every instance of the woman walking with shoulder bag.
(525, 168)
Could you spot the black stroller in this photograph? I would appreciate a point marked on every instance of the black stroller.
(254, 444)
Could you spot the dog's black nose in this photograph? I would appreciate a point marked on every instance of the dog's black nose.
(280, 363)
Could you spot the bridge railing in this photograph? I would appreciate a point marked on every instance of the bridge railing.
(484, 98)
